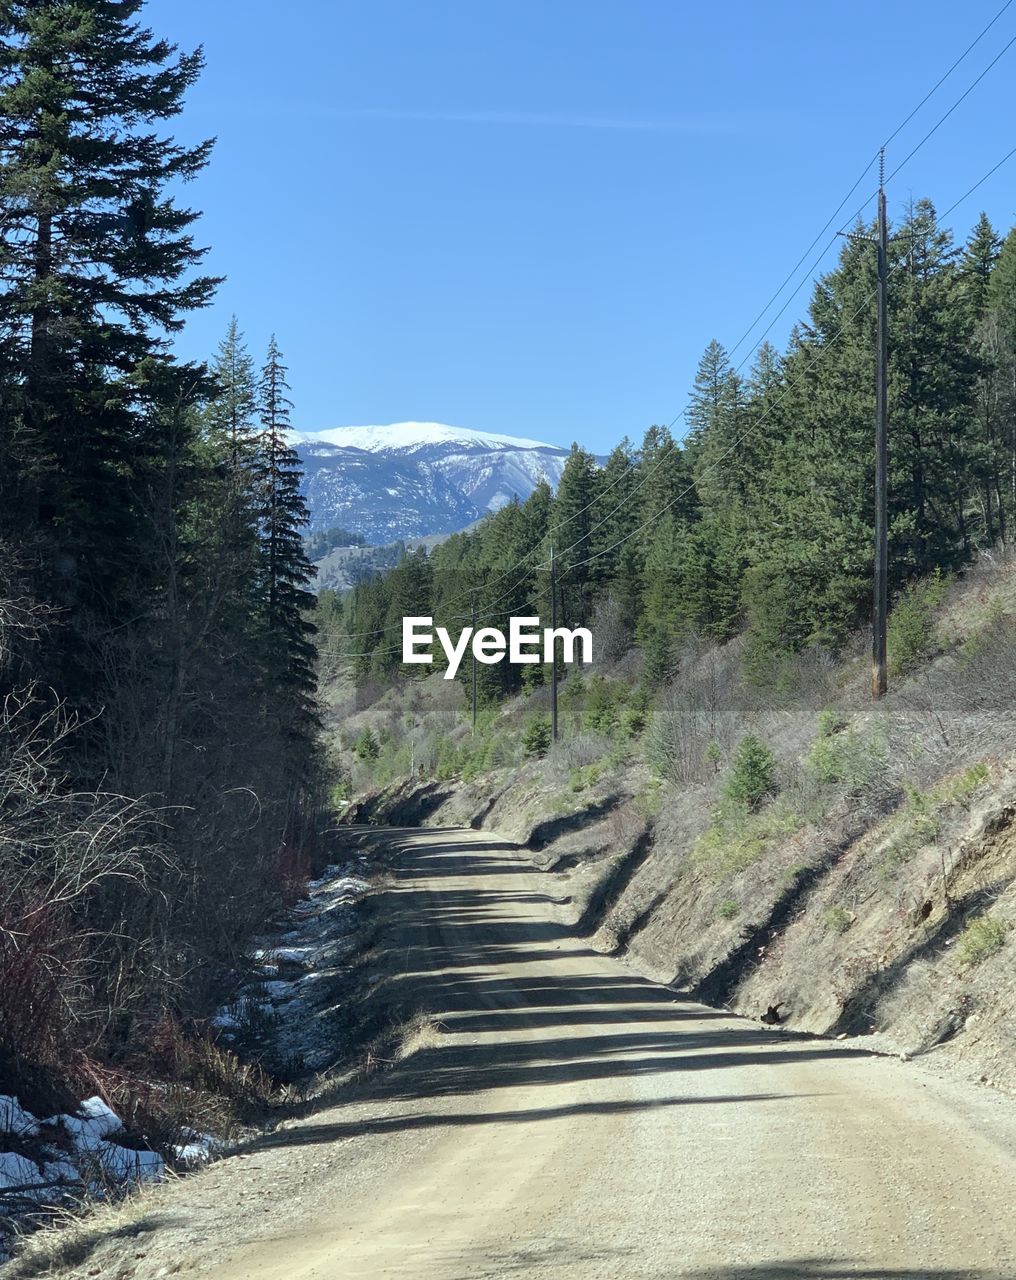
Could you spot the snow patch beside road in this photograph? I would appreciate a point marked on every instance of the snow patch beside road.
(292, 1009)
(72, 1155)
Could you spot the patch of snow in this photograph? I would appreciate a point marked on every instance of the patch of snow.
(278, 991)
(100, 1162)
(304, 1021)
(14, 1118)
(123, 1167)
(196, 1148)
(305, 1013)
(17, 1171)
(95, 1164)
(326, 877)
(411, 436)
(349, 885)
(95, 1122)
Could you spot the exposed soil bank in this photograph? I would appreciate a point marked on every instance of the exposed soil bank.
(846, 934)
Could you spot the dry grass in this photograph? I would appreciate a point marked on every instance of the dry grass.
(422, 1031)
(71, 1236)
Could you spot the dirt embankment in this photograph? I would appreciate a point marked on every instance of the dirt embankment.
(901, 930)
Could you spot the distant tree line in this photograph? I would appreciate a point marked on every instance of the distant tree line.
(321, 542)
(760, 520)
(159, 770)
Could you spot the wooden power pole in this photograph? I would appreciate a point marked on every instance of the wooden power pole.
(880, 609)
(474, 663)
(553, 649)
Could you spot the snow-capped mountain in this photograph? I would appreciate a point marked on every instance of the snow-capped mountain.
(410, 479)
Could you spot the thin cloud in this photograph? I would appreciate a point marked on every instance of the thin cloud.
(701, 124)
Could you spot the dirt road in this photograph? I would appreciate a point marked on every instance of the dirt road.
(574, 1120)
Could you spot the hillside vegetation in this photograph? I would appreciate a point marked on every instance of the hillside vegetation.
(759, 523)
(850, 863)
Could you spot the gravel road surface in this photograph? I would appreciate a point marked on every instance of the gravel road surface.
(570, 1118)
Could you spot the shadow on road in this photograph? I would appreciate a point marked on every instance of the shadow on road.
(539, 1258)
(515, 1000)
(824, 1269)
(310, 1135)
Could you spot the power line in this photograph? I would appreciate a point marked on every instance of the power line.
(726, 453)
(911, 154)
(822, 253)
(664, 453)
(673, 444)
(938, 124)
(938, 83)
(943, 118)
(688, 489)
(895, 133)
(734, 444)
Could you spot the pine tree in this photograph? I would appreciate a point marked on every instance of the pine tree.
(763, 419)
(95, 255)
(286, 572)
(231, 431)
(675, 582)
(718, 445)
(409, 587)
(375, 649)
(933, 373)
(616, 515)
(977, 263)
(1001, 335)
(182, 649)
(232, 414)
(666, 484)
(809, 516)
(570, 524)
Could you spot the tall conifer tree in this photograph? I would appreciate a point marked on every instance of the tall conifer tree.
(286, 571)
(232, 414)
(95, 259)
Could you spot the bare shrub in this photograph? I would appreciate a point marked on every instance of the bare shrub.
(959, 709)
(69, 862)
(625, 824)
(611, 628)
(367, 694)
(22, 618)
(699, 719)
(573, 753)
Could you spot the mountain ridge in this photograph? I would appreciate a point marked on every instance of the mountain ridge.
(413, 436)
(413, 479)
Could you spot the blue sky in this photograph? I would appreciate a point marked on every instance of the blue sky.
(532, 217)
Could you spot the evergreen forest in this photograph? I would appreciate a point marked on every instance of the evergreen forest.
(161, 781)
(756, 518)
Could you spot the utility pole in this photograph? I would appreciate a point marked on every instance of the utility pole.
(880, 610)
(474, 664)
(880, 600)
(553, 650)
